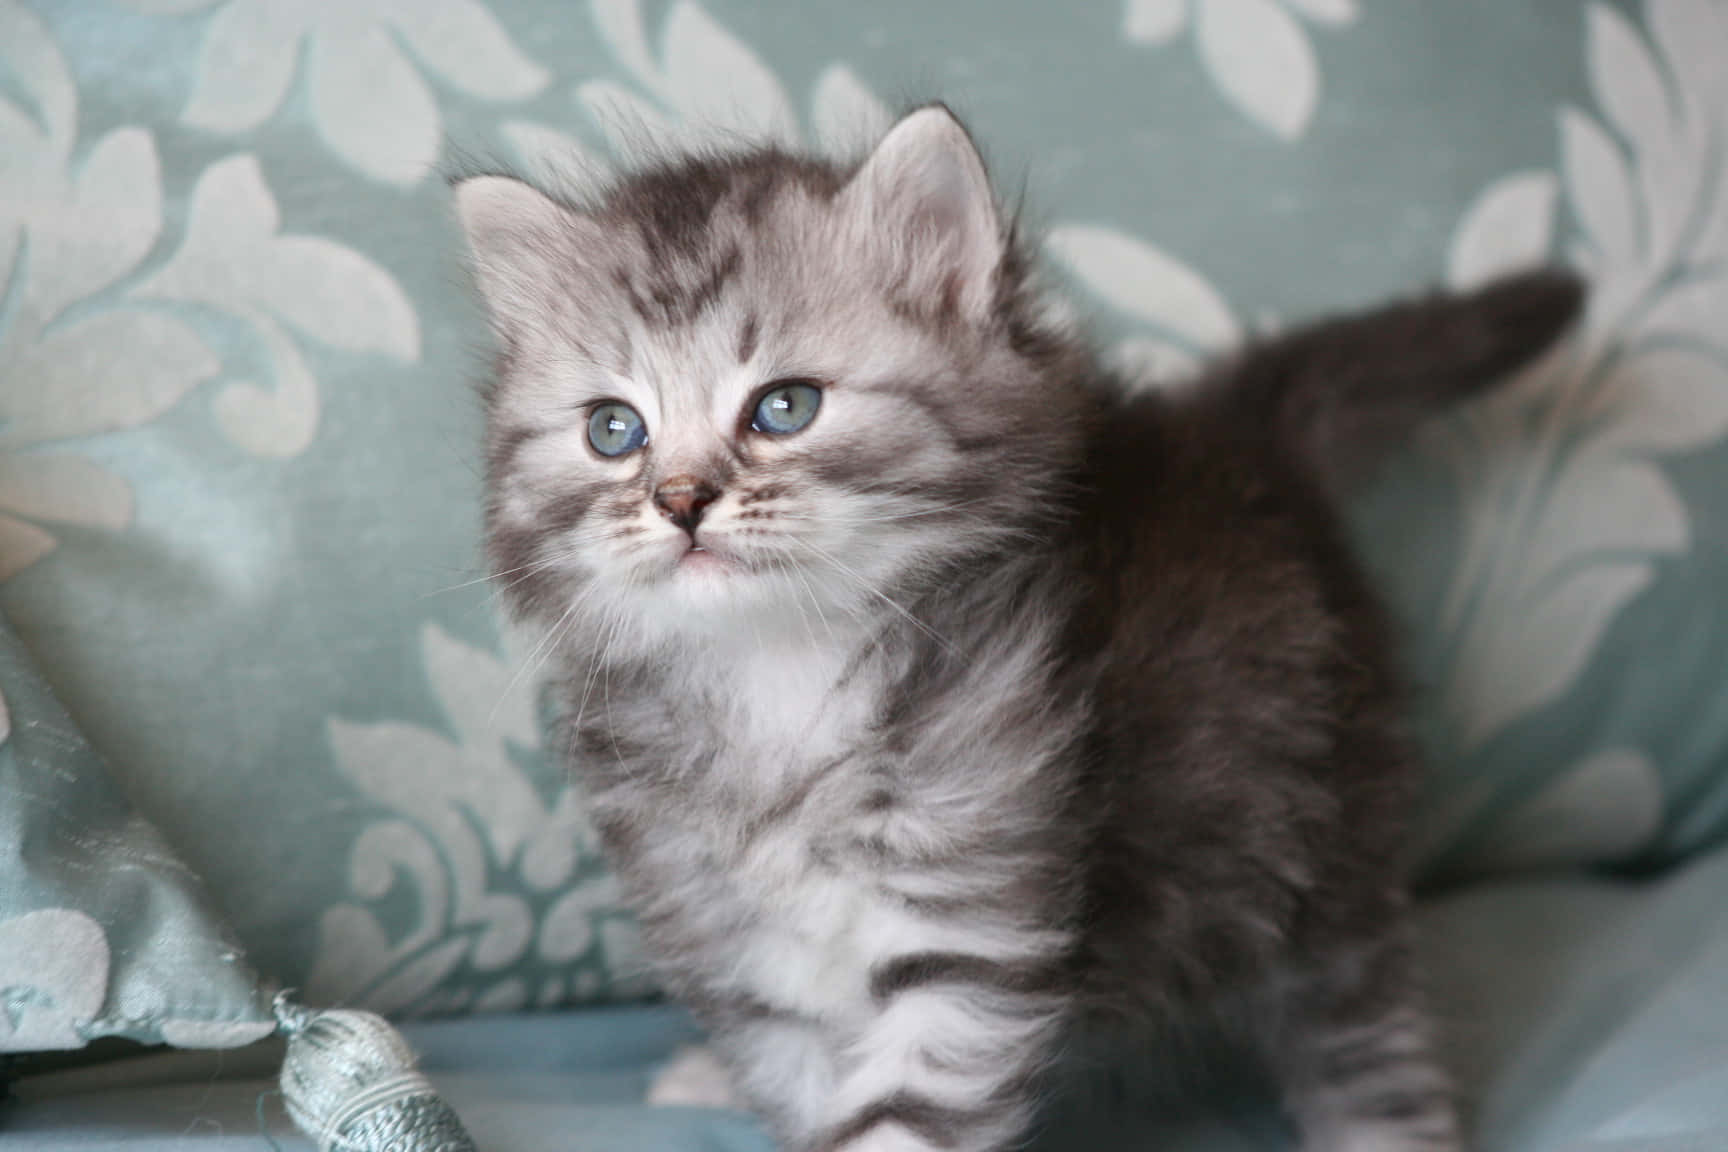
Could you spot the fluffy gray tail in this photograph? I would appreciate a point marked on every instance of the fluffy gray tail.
(1343, 391)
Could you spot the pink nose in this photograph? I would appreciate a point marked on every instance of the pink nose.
(683, 499)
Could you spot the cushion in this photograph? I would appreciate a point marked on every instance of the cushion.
(103, 932)
(238, 468)
(1585, 1014)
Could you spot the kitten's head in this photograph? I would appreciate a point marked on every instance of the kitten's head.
(756, 389)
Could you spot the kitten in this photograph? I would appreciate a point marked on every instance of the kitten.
(933, 695)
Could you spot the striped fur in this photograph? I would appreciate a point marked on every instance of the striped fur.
(994, 702)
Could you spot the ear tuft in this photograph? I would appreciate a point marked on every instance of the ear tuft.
(926, 181)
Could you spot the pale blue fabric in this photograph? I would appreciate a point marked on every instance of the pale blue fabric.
(238, 440)
(103, 931)
(1585, 1015)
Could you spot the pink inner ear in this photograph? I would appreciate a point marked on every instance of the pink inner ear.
(925, 178)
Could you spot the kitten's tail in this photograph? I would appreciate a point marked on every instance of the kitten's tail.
(1343, 391)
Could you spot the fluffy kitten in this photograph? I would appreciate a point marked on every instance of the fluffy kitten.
(932, 695)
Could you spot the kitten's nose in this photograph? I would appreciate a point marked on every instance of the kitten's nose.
(683, 499)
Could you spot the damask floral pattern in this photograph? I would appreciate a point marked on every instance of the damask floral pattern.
(370, 103)
(88, 346)
(1256, 51)
(219, 269)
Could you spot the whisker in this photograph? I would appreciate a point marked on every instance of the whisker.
(797, 603)
(578, 543)
(601, 650)
(815, 600)
(879, 594)
(547, 645)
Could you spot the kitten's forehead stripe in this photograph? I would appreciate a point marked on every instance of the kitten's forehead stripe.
(747, 339)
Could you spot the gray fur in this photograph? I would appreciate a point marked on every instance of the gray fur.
(1009, 703)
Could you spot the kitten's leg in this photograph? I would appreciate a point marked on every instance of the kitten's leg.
(947, 1060)
(783, 1065)
(693, 1078)
(1356, 1058)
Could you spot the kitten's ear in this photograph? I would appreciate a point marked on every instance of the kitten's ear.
(926, 183)
(517, 237)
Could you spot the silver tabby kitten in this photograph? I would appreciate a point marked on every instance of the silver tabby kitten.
(934, 698)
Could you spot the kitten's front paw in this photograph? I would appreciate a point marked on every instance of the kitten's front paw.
(693, 1078)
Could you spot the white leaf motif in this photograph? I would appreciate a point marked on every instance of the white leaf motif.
(1691, 309)
(1624, 78)
(1148, 363)
(464, 43)
(1693, 36)
(66, 385)
(244, 66)
(1669, 398)
(1260, 57)
(274, 422)
(1606, 807)
(159, 7)
(1600, 188)
(372, 106)
(99, 232)
(483, 696)
(1529, 654)
(1153, 21)
(1146, 283)
(1510, 226)
(233, 253)
(1603, 503)
(568, 929)
(707, 82)
(54, 967)
(1567, 507)
(463, 813)
(369, 102)
(21, 545)
(712, 79)
(1335, 12)
(620, 25)
(64, 489)
(29, 53)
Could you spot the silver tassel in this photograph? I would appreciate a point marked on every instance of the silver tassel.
(350, 1083)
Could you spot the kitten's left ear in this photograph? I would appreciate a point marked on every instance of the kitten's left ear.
(926, 184)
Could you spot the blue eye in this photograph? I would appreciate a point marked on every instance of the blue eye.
(615, 429)
(786, 408)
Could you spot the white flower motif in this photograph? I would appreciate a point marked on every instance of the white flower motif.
(704, 83)
(234, 258)
(367, 100)
(500, 878)
(1188, 319)
(1567, 508)
(53, 979)
(67, 236)
(1255, 50)
(91, 346)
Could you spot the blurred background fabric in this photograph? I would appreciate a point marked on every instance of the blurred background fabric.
(239, 492)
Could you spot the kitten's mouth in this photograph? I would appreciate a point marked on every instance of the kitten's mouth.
(699, 558)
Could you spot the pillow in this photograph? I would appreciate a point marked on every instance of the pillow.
(238, 491)
(103, 932)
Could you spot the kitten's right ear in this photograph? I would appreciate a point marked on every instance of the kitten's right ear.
(516, 238)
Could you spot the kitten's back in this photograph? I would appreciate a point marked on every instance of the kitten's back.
(1247, 705)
